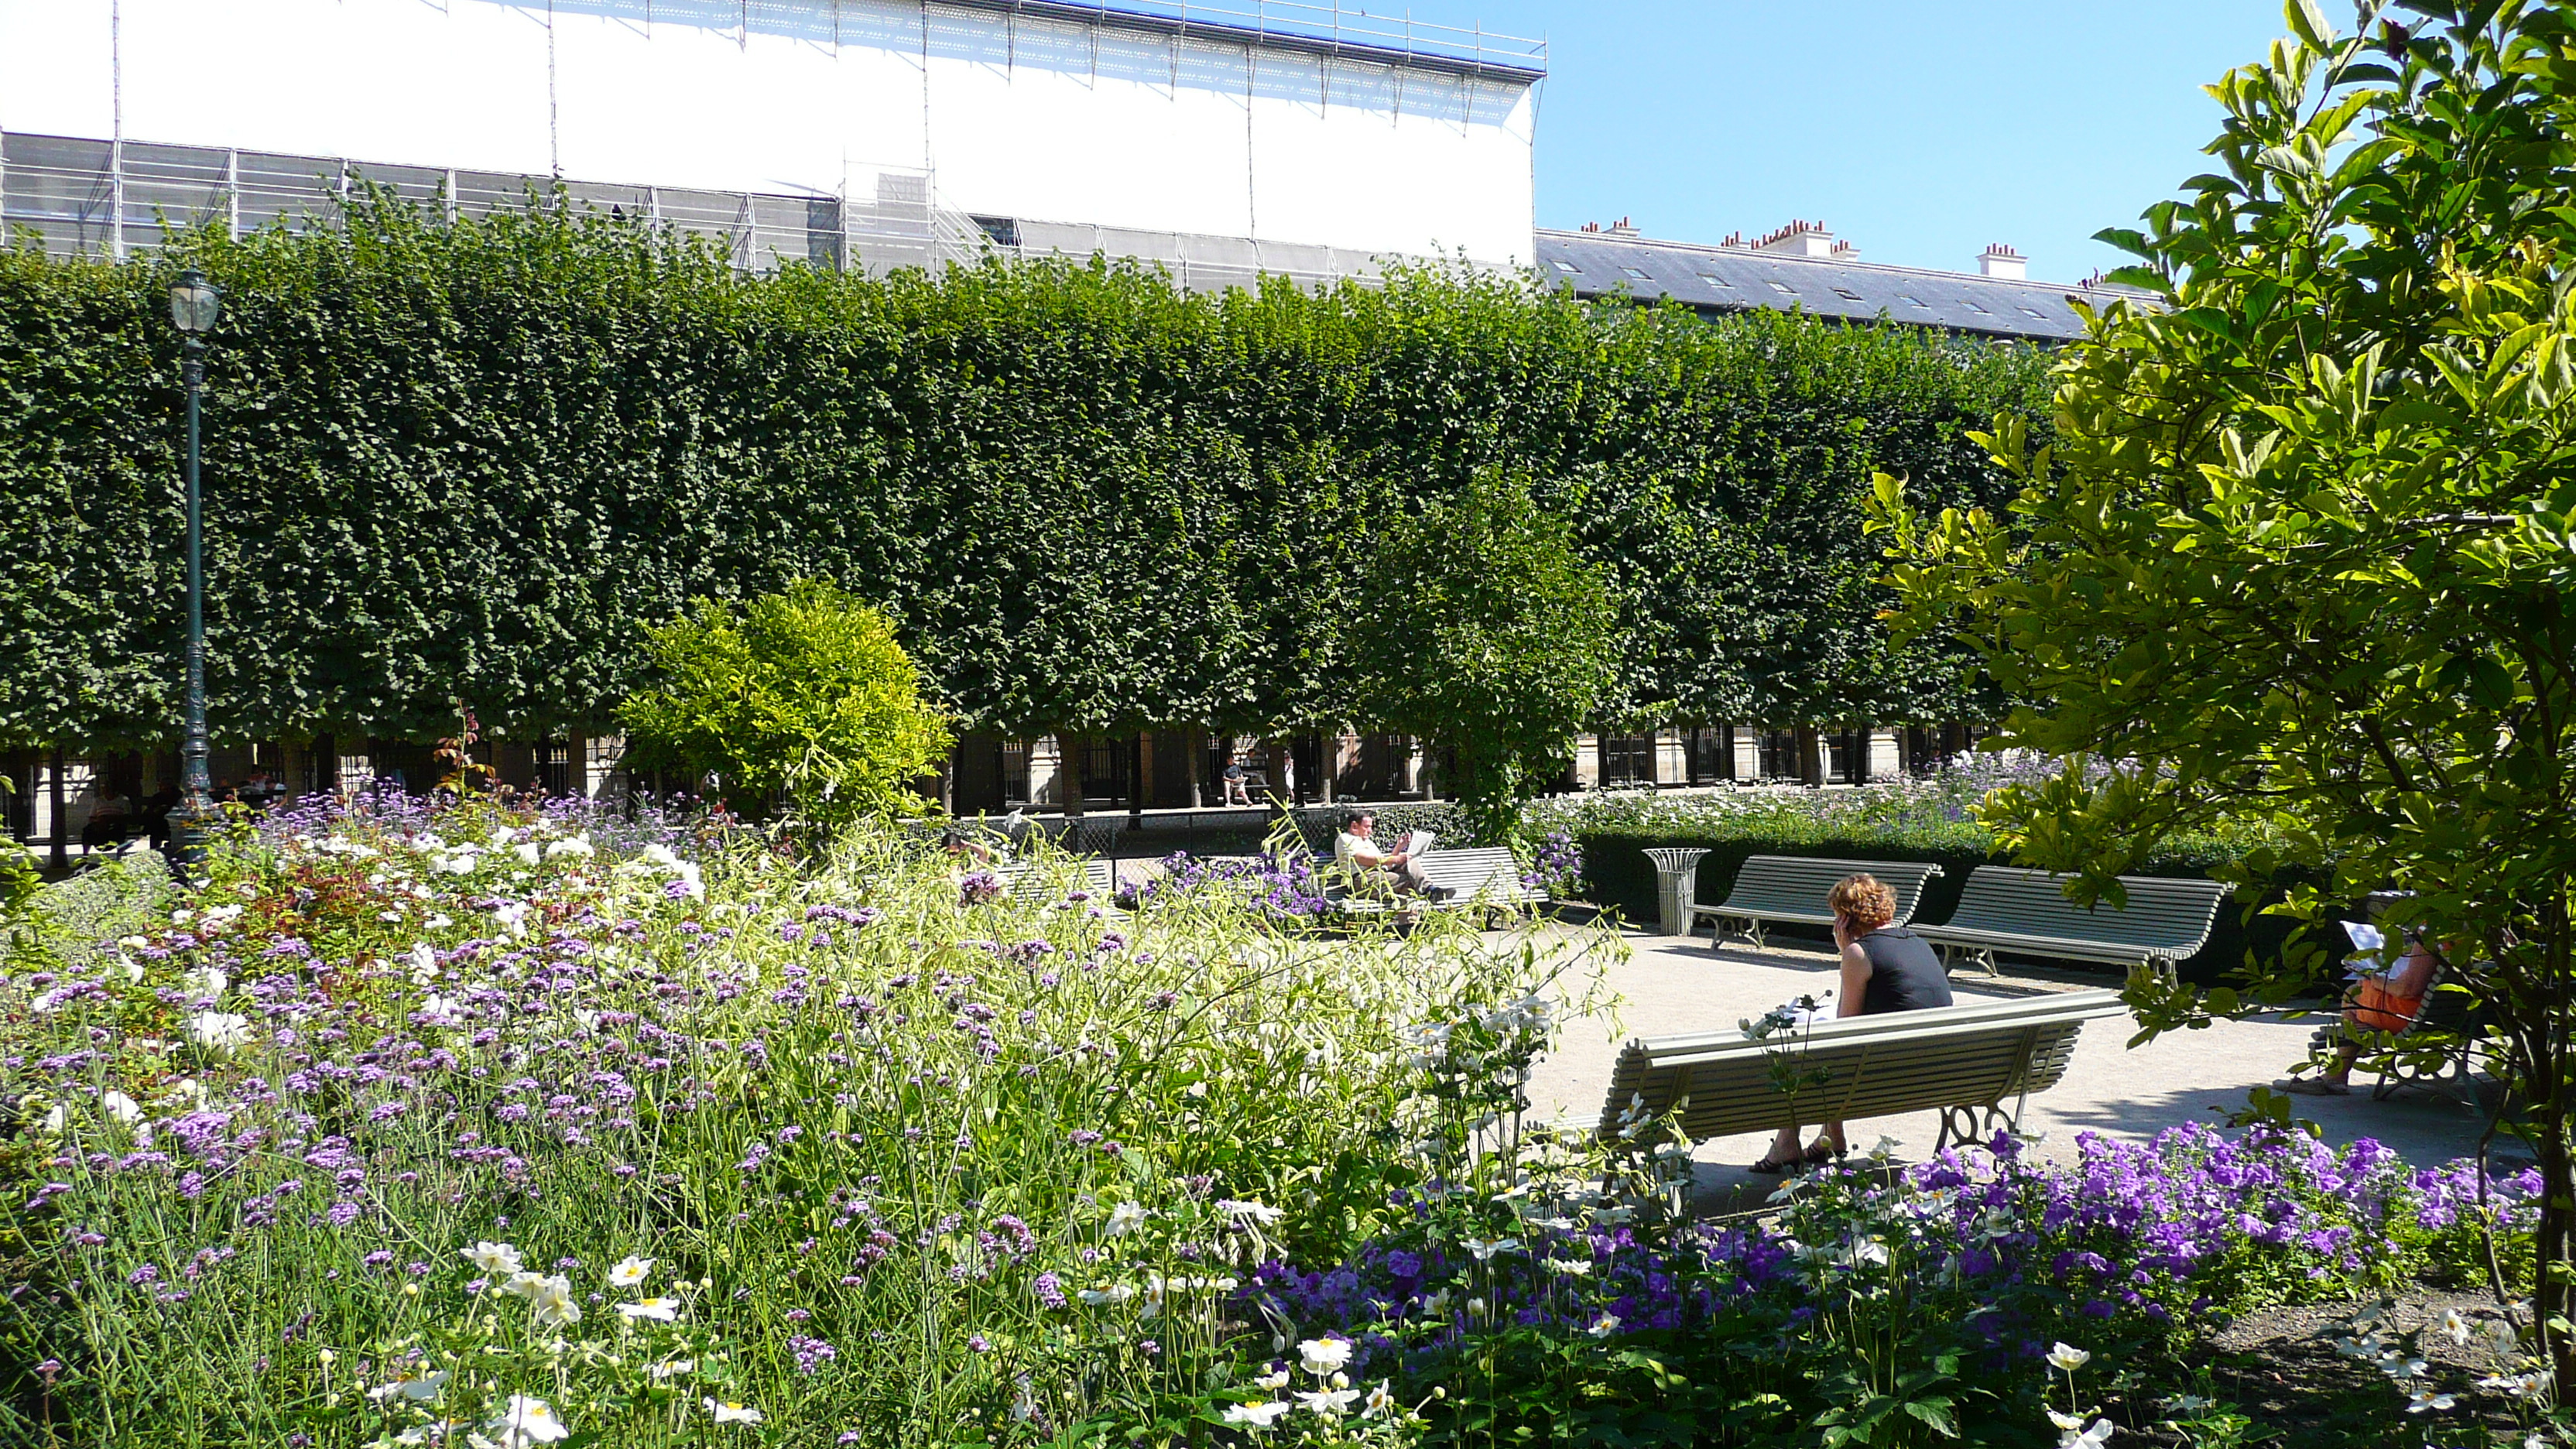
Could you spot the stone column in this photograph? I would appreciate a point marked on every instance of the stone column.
(1043, 759)
(1587, 762)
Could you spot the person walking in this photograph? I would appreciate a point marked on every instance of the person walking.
(1885, 968)
(1238, 790)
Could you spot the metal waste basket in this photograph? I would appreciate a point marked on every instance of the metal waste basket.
(1676, 887)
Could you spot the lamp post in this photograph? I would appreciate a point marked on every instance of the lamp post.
(195, 303)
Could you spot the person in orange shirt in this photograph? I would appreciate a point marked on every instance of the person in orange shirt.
(2383, 1001)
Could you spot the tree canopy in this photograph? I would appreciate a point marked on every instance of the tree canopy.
(2299, 556)
(479, 459)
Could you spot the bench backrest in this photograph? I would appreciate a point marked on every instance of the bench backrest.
(1978, 1055)
(1491, 872)
(1028, 883)
(1773, 883)
(2169, 917)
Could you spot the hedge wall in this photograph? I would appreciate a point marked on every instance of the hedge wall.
(1618, 876)
(471, 460)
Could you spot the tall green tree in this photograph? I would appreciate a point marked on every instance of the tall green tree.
(804, 694)
(2301, 556)
(1487, 631)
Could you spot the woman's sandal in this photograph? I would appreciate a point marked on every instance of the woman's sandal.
(1821, 1153)
(1775, 1166)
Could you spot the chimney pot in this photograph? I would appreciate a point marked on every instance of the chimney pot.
(2003, 263)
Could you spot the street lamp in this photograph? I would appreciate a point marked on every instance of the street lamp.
(195, 303)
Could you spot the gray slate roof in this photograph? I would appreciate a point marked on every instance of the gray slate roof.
(1596, 264)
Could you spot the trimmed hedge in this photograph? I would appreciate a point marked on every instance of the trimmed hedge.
(474, 460)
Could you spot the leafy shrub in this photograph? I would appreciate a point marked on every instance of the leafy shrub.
(803, 693)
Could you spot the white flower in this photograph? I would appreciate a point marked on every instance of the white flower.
(2518, 1386)
(1330, 1403)
(1571, 1268)
(1485, 1251)
(205, 984)
(2455, 1325)
(1114, 1293)
(57, 1119)
(577, 845)
(2084, 1439)
(504, 836)
(1379, 1404)
(1255, 1416)
(1024, 1399)
(1885, 1148)
(1272, 1383)
(497, 1259)
(221, 1031)
(660, 1310)
(122, 1107)
(671, 1367)
(2424, 1399)
(1324, 1355)
(529, 851)
(418, 1387)
(2067, 1358)
(524, 1421)
(1244, 1211)
(2069, 1423)
(424, 963)
(732, 1413)
(510, 913)
(1125, 1218)
(629, 1273)
(1604, 1326)
(551, 1304)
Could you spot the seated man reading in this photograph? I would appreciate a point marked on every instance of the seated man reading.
(1373, 871)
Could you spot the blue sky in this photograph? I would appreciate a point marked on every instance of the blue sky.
(1918, 131)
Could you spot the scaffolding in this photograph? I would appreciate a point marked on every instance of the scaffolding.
(79, 196)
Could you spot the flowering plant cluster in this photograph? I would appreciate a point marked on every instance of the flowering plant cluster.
(1947, 1292)
(482, 1124)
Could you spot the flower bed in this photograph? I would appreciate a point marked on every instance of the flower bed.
(480, 1121)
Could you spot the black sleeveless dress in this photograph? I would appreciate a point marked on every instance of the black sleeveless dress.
(1904, 974)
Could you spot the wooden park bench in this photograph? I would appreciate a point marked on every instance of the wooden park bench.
(1976, 1064)
(2026, 912)
(1791, 889)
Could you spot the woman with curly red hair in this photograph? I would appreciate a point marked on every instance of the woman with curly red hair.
(1885, 967)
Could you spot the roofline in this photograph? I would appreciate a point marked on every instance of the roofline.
(1182, 21)
(1708, 248)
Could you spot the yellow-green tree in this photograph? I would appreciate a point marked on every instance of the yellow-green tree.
(805, 695)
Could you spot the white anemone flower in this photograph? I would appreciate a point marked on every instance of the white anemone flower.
(659, 1310)
(1322, 1356)
(1604, 1326)
(524, 1421)
(551, 1304)
(630, 1272)
(2067, 1358)
(1272, 1382)
(2426, 1399)
(674, 1367)
(730, 1413)
(1380, 1402)
(497, 1259)
(1256, 1416)
(122, 1107)
(419, 1387)
(221, 1031)
(1125, 1218)
(1328, 1403)
(2085, 1438)
(577, 845)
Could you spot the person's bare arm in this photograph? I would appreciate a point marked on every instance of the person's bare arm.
(1856, 969)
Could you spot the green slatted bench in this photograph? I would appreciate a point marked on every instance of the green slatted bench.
(1487, 879)
(1977, 1064)
(1792, 889)
(2027, 913)
(1026, 882)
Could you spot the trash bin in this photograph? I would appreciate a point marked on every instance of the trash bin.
(1676, 887)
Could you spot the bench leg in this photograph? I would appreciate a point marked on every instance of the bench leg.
(1975, 1125)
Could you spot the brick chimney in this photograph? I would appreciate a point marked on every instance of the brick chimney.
(1623, 227)
(2003, 262)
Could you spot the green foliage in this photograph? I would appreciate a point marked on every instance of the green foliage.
(2303, 549)
(124, 897)
(1491, 634)
(474, 461)
(804, 693)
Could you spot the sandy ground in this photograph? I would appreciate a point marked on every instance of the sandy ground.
(1668, 985)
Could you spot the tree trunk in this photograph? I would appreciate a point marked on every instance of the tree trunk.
(1194, 747)
(1811, 757)
(1068, 774)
